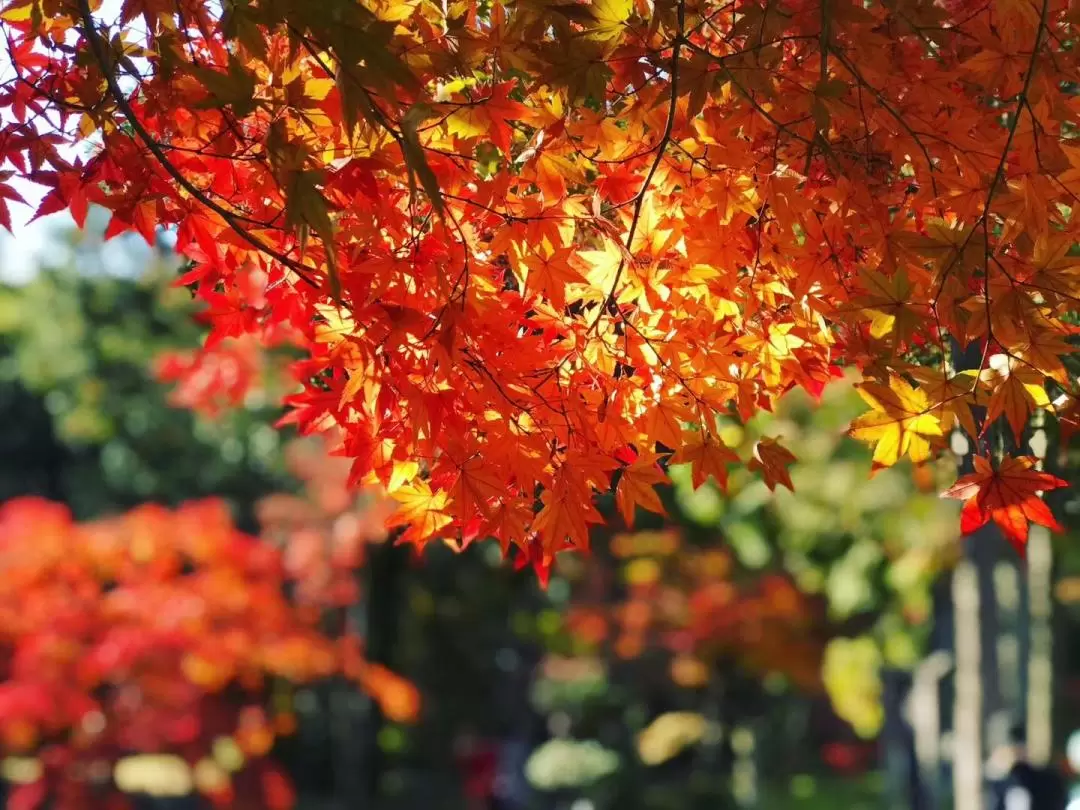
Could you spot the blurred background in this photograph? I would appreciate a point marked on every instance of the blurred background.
(196, 611)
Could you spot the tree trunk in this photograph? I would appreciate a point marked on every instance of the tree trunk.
(385, 575)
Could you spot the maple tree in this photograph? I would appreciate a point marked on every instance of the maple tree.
(530, 249)
(156, 631)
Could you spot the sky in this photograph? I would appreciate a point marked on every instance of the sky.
(20, 253)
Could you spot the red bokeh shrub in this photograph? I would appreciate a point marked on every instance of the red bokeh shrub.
(157, 632)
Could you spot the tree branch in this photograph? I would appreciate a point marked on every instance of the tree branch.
(231, 219)
(661, 149)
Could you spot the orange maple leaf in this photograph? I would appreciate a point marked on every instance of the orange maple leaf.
(708, 456)
(664, 421)
(475, 488)
(567, 512)
(636, 487)
(1008, 494)
(569, 282)
(772, 459)
(1018, 390)
(509, 523)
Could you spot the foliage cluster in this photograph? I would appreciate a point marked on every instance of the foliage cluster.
(534, 250)
(157, 632)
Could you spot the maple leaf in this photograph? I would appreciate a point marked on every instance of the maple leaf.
(553, 172)
(1017, 390)
(636, 487)
(1053, 268)
(235, 88)
(608, 18)
(509, 524)
(773, 344)
(1067, 411)
(7, 193)
(1044, 351)
(488, 117)
(889, 304)
(547, 270)
(1008, 494)
(901, 422)
(951, 398)
(707, 456)
(772, 459)
(665, 420)
(991, 66)
(541, 561)
(421, 511)
(102, 596)
(566, 513)
(472, 494)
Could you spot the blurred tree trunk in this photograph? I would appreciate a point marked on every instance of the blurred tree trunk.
(967, 725)
(1040, 670)
(924, 712)
(976, 631)
(386, 569)
(1037, 676)
(903, 780)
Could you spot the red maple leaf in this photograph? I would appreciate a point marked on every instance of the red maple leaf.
(1008, 494)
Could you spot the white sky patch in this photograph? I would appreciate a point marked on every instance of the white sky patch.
(22, 254)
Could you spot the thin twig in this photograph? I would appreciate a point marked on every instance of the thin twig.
(101, 57)
(661, 149)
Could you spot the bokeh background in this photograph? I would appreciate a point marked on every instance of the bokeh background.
(197, 610)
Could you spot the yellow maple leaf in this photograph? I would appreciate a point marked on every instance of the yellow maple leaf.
(889, 305)
(421, 511)
(950, 398)
(609, 18)
(773, 344)
(901, 422)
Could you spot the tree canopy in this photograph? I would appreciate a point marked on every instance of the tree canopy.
(533, 250)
